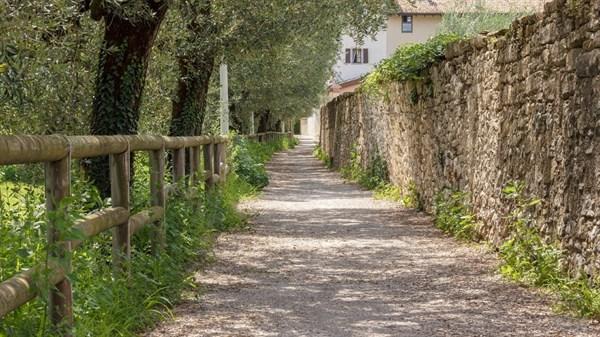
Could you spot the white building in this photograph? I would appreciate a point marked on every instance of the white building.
(416, 21)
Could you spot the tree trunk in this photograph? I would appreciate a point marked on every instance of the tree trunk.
(120, 81)
(189, 104)
(195, 69)
(266, 122)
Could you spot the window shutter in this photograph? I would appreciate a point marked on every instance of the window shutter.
(348, 56)
(365, 55)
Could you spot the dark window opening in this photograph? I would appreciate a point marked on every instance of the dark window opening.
(357, 55)
(407, 23)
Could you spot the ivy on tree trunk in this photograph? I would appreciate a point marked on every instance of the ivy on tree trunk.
(189, 104)
(196, 63)
(122, 66)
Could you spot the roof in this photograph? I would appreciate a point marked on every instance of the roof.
(446, 6)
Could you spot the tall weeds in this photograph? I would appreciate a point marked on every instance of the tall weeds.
(108, 306)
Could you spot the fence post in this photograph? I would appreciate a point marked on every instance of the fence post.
(119, 185)
(157, 190)
(58, 187)
(209, 164)
(217, 157)
(220, 160)
(178, 165)
(195, 164)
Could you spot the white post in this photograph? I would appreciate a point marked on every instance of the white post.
(224, 99)
(253, 130)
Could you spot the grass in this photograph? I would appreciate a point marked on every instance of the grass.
(322, 156)
(109, 306)
(526, 257)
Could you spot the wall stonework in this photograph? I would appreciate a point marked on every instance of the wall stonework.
(520, 104)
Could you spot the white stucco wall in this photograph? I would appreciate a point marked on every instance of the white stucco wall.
(424, 27)
(377, 52)
(384, 44)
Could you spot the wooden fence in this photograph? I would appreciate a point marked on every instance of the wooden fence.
(56, 153)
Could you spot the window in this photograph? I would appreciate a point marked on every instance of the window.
(357, 55)
(407, 23)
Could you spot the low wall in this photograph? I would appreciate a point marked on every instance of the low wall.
(521, 104)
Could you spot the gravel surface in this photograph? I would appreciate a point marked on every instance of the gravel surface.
(325, 259)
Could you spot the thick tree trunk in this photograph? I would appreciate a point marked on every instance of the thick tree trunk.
(195, 69)
(189, 104)
(120, 81)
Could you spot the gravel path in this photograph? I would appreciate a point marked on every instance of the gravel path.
(325, 259)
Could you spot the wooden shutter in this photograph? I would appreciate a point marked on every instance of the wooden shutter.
(365, 56)
(348, 56)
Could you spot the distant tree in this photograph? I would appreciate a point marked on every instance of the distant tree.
(257, 37)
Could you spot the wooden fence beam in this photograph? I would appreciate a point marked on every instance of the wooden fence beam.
(209, 162)
(158, 196)
(119, 183)
(178, 165)
(58, 187)
(143, 218)
(195, 165)
(217, 163)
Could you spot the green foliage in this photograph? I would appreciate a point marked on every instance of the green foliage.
(409, 62)
(526, 257)
(249, 157)
(322, 156)
(529, 259)
(248, 166)
(374, 175)
(48, 57)
(409, 197)
(453, 215)
(471, 18)
(108, 306)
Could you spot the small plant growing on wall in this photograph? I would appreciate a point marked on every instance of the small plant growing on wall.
(454, 215)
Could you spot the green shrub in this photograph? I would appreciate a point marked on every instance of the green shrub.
(322, 156)
(470, 18)
(373, 176)
(526, 256)
(409, 62)
(108, 306)
(248, 158)
(247, 165)
(453, 215)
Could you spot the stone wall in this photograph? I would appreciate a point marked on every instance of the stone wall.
(521, 104)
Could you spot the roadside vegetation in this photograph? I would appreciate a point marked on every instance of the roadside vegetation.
(374, 176)
(527, 257)
(411, 62)
(108, 306)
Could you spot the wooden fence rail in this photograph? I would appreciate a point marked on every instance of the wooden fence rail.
(57, 152)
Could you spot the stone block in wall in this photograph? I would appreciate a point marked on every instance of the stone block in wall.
(587, 64)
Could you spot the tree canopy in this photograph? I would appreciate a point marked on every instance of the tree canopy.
(54, 73)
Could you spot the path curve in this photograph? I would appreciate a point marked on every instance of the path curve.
(325, 259)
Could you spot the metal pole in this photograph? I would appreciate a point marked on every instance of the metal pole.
(224, 99)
